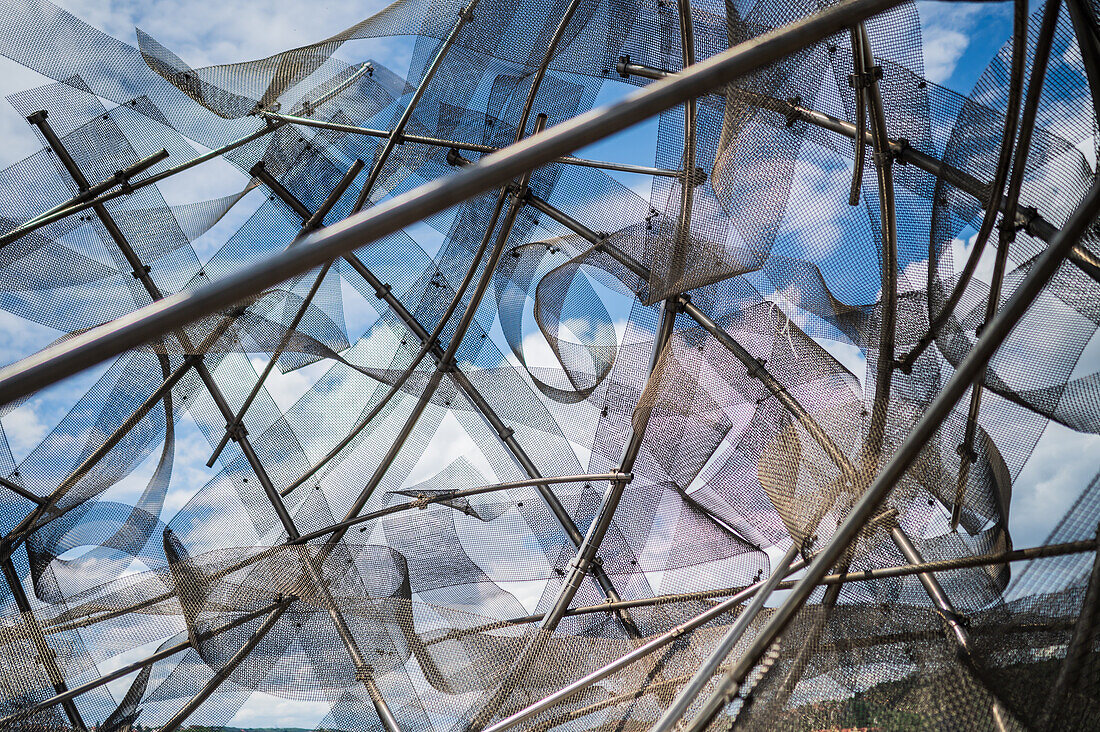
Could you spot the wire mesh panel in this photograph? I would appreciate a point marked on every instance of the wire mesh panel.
(556, 456)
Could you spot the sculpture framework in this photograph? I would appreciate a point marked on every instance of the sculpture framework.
(724, 525)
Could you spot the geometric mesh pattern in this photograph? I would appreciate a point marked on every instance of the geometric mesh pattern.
(565, 444)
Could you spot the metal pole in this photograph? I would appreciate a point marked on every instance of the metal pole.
(1080, 645)
(395, 134)
(471, 146)
(1008, 234)
(135, 666)
(313, 223)
(223, 673)
(385, 714)
(46, 655)
(425, 500)
(706, 670)
(646, 649)
(992, 336)
(141, 272)
(21, 491)
(98, 344)
(954, 622)
(270, 126)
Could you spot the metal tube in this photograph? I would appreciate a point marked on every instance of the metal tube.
(706, 670)
(888, 301)
(1008, 234)
(861, 117)
(98, 344)
(471, 146)
(44, 220)
(424, 501)
(223, 673)
(996, 190)
(1080, 644)
(21, 491)
(992, 336)
(625, 660)
(385, 714)
(130, 668)
(953, 620)
(46, 655)
(394, 135)
(121, 178)
(314, 222)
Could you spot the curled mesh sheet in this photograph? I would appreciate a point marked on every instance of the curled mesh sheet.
(721, 333)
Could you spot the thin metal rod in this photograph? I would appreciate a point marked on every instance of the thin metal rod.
(46, 655)
(425, 500)
(888, 299)
(1043, 44)
(941, 406)
(313, 223)
(121, 178)
(98, 344)
(952, 619)
(1080, 645)
(398, 130)
(442, 368)
(385, 714)
(861, 118)
(1028, 220)
(472, 146)
(995, 193)
(135, 666)
(681, 244)
(646, 649)
(267, 129)
(141, 272)
(732, 637)
(224, 672)
(21, 491)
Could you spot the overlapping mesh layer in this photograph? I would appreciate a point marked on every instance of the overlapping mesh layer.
(754, 424)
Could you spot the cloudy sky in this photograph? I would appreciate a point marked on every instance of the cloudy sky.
(959, 40)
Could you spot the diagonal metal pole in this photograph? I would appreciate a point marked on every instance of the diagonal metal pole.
(98, 344)
(470, 146)
(1027, 219)
(311, 225)
(394, 137)
(118, 673)
(1080, 644)
(996, 189)
(45, 219)
(46, 655)
(141, 272)
(1043, 45)
(224, 672)
(992, 336)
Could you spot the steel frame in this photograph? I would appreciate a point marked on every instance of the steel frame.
(509, 169)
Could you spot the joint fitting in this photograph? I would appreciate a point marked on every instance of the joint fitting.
(383, 290)
(794, 113)
(866, 78)
(38, 117)
(624, 62)
(236, 431)
(1025, 217)
(966, 452)
(141, 272)
(455, 159)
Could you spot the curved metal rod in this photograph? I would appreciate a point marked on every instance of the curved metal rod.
(996, 191)
(994, 334)
(887, 212)
(861, 123)
(1043, 44)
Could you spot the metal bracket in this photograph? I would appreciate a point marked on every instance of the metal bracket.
(866, 78)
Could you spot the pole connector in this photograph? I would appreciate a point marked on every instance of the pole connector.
(236, 431)
(621, 67)
(38, 117)
(866, 78)
(794, 111)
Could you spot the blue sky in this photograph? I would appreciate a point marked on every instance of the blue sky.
(959, 40)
